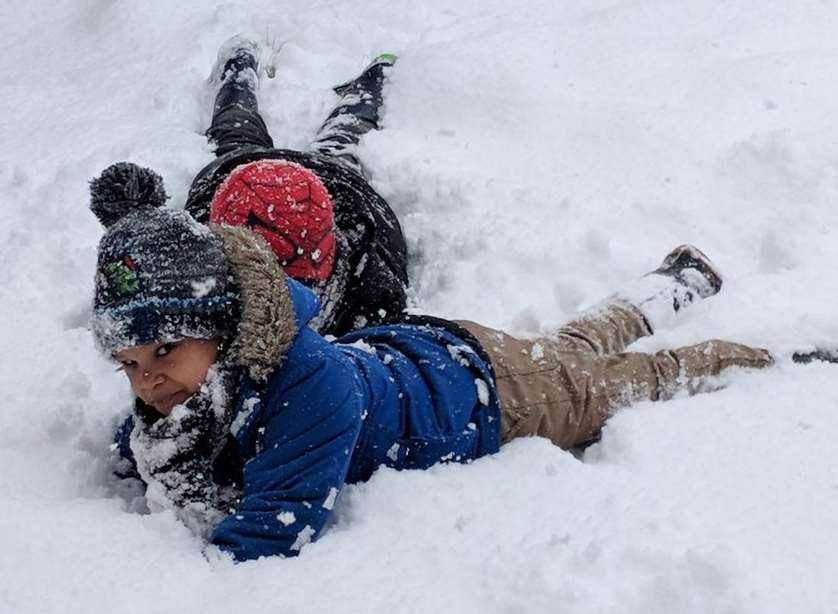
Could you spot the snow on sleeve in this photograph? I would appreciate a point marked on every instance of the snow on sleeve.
(287, 518)
(303, 537)
(248, 406)
(362, 264)
(482, 391)
(362, 345)
(456, 352)
(291, 485)
(329, 503)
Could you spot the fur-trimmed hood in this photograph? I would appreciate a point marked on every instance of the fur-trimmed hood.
(267, 323)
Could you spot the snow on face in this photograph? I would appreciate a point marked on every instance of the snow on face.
(165, 374)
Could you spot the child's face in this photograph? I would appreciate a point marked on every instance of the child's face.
(166, 374)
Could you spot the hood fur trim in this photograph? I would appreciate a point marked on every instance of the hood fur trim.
(266, 325)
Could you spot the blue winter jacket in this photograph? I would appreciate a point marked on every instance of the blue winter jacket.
(404, 396)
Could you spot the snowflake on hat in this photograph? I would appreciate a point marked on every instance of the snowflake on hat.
(289, 206)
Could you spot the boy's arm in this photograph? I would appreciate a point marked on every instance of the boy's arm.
(125, 465)
(289, 488)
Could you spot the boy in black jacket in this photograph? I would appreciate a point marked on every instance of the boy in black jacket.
(328, 227)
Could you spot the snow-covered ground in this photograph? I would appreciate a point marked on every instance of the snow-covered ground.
(539, 154)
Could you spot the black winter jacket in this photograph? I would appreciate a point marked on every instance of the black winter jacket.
(368, 282)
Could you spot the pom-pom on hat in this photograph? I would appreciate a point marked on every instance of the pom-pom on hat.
(289, 206)
(160, 275)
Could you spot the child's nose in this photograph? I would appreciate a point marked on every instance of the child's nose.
(151, 379)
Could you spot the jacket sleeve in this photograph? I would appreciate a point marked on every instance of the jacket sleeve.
(289, 488)
(125, 465)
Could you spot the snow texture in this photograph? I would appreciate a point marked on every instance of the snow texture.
(286, 518)
(539, 155)
(203, 287)
(482, 391)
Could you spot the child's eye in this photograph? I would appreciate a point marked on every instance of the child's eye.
(164, 349)
(126, 364)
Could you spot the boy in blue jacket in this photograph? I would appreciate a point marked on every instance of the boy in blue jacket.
(248, 423)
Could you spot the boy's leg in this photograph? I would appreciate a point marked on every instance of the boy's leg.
(355, 114)
(685, 276)
(606, 329)
(236, 122)
(565, 388)
(567, 396)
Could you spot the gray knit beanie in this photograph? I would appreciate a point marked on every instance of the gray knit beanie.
(160, 275)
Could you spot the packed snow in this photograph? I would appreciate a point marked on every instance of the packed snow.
(539, 154)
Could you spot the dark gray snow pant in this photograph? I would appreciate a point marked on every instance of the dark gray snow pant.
(237, 124)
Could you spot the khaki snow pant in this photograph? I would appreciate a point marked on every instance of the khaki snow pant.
(565, 388)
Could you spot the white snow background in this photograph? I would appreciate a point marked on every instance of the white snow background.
(538, 154)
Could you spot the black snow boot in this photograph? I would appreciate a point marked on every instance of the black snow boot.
(818, 355)
(689, 266)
